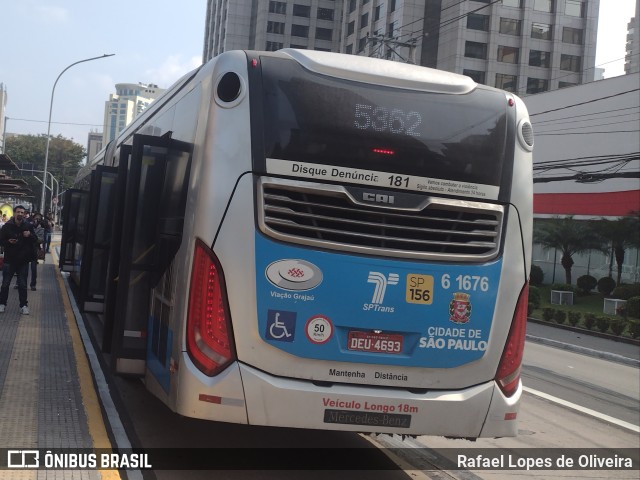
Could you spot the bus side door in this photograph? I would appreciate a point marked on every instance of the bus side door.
(97, 241)
(74, 217)
(123, 154)
(143, 248)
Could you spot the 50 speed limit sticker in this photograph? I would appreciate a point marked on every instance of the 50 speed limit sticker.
(319, 329)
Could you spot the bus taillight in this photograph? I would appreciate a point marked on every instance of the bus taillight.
(508, 375)
(209, 339)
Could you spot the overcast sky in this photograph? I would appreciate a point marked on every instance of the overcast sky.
(154, 42)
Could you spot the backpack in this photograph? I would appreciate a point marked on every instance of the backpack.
(39, 233)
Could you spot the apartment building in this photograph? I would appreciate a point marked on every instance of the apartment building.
(524, 46)
(127, 103)
(632, 58)
(271, 25)
(94, 144)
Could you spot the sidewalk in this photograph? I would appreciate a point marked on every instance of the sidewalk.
(584, 343)
(47, 397)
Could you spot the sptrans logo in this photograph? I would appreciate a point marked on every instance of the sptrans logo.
(381, 282)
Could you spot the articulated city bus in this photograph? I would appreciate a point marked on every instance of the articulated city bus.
(315, 240)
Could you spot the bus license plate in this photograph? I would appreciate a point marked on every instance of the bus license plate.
(374, 342)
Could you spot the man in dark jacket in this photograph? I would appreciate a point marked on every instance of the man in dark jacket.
(18, 239)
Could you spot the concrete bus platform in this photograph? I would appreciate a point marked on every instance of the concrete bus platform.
(47, 395)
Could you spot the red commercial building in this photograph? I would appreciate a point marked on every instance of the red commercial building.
(586, 162)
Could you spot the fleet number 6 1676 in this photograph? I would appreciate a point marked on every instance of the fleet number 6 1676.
(468, 283)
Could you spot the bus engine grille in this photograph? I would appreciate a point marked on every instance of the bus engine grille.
(328, 216)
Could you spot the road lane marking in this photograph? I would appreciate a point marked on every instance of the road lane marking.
(588, 411)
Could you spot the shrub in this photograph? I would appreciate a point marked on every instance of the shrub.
(622, 311)
(560, 316)
(625, 292)
(602, 323)
(589, 320)
(548, 313)
(574, 318)
(633, 307)
(534, 296)
(586, 283)
(530, 308)
(634, 328)
(618, 325)
(606, 285)
(562, 287)
(537, 275)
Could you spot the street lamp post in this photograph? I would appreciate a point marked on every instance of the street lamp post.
(46, 152)
(53, 179)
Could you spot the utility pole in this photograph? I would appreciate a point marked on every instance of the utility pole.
(388, 46)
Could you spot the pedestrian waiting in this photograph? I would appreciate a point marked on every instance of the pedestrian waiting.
(38, 224)
(19, 240)
(48, 232)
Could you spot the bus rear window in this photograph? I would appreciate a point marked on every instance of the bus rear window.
(313, 118)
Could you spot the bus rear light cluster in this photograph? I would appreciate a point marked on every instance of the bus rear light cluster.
(209, 336)
(508, 374)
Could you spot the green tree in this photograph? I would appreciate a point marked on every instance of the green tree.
(569, 236)
(65, 159)
(620, 234)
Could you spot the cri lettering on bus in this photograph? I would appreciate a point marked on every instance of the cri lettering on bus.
(378, 198)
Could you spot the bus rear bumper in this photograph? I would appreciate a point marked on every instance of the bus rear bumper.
(476, 411)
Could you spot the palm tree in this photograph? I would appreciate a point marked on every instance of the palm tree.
(621, 234)
(569, 236)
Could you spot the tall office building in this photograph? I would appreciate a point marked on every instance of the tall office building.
(94, 144)
(271, 25)
(127, 103)
(524, 46)
(632, 58)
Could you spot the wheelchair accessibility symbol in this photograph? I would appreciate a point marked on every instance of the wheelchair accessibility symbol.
(281, 325)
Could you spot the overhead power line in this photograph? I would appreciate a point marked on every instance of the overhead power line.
(57, 123)
(588, 177)
(586, 102)
(585, 161)
(582, 127)
(523, 89)
(571, 118)
(442, 24)
(586, 133)
(592, 169)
